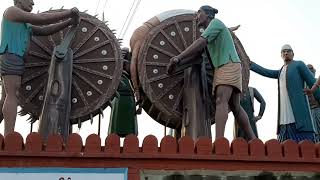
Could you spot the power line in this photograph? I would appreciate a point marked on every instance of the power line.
(97, 7)
(105, 3)
(127, 17)
(130, 20)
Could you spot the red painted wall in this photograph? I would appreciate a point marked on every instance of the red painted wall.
(171, 155)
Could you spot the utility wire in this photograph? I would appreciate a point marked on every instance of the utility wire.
(127, 17)
(105, 3)
(97, 7)
(130, 20)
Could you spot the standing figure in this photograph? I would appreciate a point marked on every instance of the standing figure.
(314, 107)
(123, 118)
(294, 120)
(18, 25)
(227, 85)
(247, 103)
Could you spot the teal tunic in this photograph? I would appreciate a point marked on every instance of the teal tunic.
(123, 119)
(15, 37)
(220, 44)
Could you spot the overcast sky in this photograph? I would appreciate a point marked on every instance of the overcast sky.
(265, 27)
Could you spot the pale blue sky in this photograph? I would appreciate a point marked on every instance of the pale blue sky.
(265, 27)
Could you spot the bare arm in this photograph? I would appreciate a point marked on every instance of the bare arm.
(196, 47)
(18, 15)
(188, 54)
(260, 99)
(314, 87)
(50, 29)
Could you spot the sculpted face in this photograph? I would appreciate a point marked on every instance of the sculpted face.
(202, 18)
(287, 54)
(26, 5)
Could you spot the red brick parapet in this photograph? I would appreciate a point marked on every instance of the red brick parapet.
(170, 155)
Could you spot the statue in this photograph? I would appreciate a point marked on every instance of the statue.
(227, 84)
(181, 101)
(247, 103)
(123, 118)
(70, 76)
(294, 120)
(200, 100)
(18, 24)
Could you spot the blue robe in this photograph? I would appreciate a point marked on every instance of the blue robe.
(297, 75)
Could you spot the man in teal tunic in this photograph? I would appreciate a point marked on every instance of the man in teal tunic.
(18, 24)
(294, 120)
(227, 85)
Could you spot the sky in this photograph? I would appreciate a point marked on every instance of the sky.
(265, 27)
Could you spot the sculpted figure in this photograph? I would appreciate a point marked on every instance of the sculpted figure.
(227, 85)
(247, 103)
(294, 120)
(123, 117)
(18, 24)
(314, 104)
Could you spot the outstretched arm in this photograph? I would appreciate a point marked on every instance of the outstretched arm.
(263, 71)
(18, 15)
(188, 54)
(234, 28)
(50, 29)
(195, 48)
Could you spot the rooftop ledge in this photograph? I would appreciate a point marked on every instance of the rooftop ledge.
(171, 154)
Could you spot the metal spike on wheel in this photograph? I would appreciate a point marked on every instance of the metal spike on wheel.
(91, 119)
(79, 123)
(101, 112)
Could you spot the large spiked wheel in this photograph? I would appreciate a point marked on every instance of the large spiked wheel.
(97, 68)
(164, 93)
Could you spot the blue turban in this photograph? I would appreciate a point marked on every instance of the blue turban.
(210, 11)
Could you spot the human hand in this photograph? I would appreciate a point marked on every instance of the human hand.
(139, 110)
(74, 11)
(312, 90)
(172, 64)
(257, 118)
(137, 96)
(235, 28)
(75, 16)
